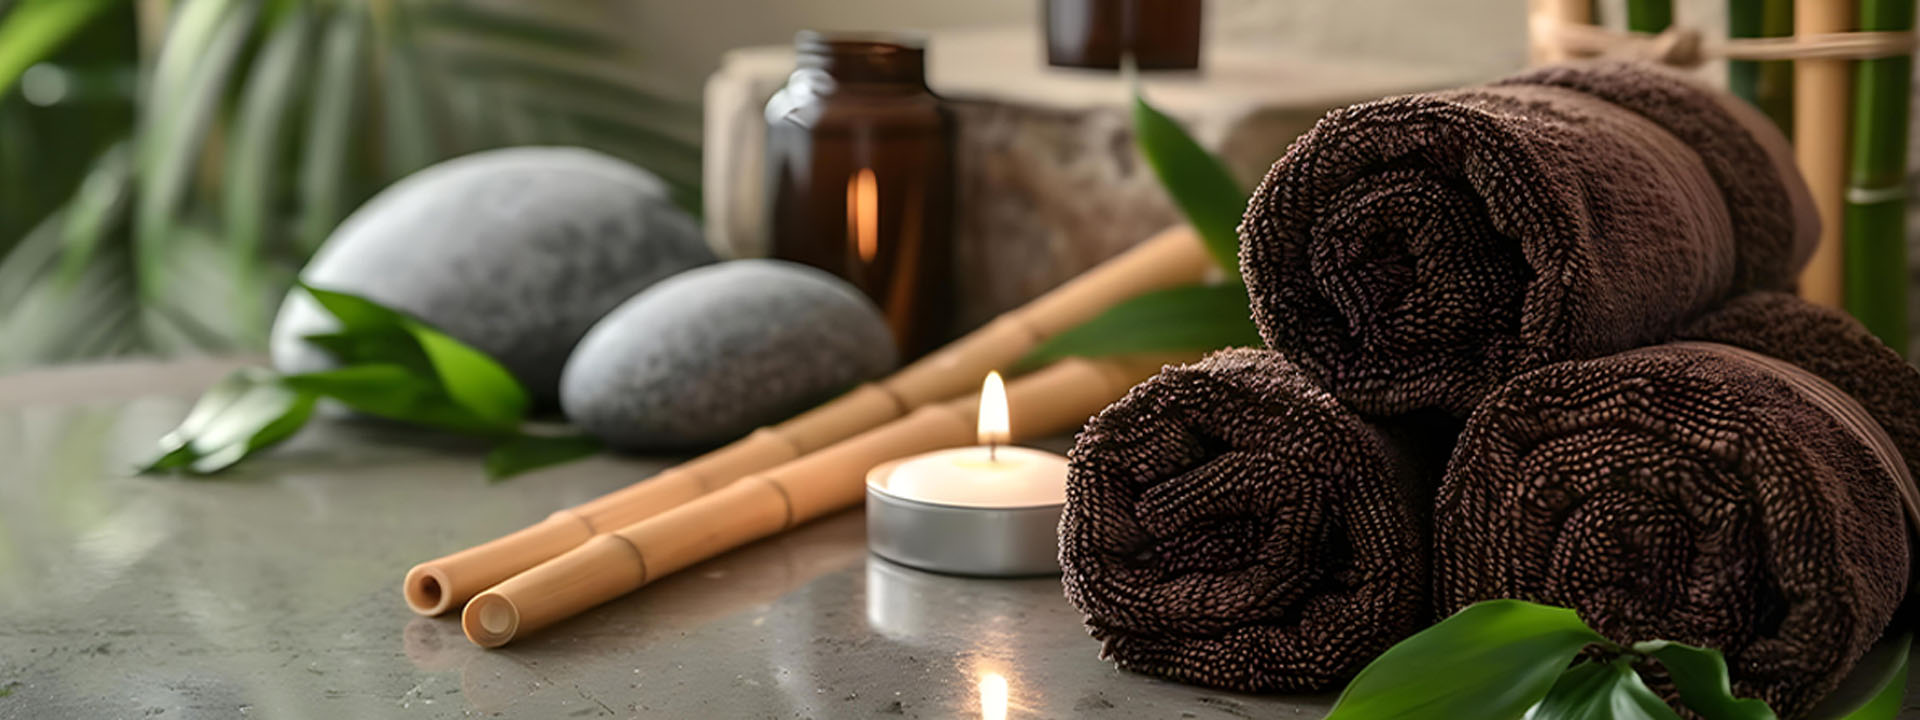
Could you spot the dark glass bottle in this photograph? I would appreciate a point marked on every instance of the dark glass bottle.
(1161, 34)
(860, 177)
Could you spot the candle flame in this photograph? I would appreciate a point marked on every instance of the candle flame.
(995, 428)
(863, 214)
(993, 697)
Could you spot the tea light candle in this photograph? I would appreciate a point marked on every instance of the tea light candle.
(989, 510)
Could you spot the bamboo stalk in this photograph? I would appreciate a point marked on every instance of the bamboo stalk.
(1876, 203)
(1050, 401)
(1768, 85)
(1172, 258)
(1821, 89)
(1649, 16)
(1550, 12)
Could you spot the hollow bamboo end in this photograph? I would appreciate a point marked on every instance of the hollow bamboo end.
(442, 584)
(426, 590)
(599, 570)
(490, 620)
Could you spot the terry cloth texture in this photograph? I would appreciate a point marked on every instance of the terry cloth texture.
(1415, 252)
(1833, 346)
(1228, 523)
(1694, 492)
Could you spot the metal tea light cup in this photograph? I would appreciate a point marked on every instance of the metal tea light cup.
(961, 540)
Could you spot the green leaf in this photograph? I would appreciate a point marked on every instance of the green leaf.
(1196, 180)
(1492, 660)
(1195, 317)
(359, 348)
(356, 314)
(531, 452)
(1602, 691)
(471, 378)
(1887, 703)
(176, 445)
(33, 29)
(1700, 674)
(396, 393)
(247, 411)
(1876, 689)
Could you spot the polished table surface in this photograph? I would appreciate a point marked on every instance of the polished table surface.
(273, 591)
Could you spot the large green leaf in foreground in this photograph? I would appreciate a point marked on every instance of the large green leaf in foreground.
(1491, 660)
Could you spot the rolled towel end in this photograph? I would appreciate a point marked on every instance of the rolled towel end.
(1692, 492)
(1230, 524)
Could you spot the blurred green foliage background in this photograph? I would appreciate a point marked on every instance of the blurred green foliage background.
(166, 166)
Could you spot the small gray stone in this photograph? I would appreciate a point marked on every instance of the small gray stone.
(709, 355)
(515, 252)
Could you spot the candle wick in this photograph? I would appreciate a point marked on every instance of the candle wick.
(993, 451)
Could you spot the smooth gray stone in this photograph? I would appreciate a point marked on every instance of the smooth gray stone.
(515, 252)
(711, 354)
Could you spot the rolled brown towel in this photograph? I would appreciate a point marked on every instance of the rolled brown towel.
(1695, 492)
(1415, 252)
(1228, 523)
(1833, 346)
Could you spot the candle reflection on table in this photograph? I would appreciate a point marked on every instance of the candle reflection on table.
(993, 696)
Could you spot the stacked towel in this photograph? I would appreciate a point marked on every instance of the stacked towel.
(1230, 524)
(1417, 251)
(1831, 345)
(1262, 520)
(1700, 492)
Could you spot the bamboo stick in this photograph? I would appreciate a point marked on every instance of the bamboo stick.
(1172, 258)
(1047, 402)
(1876, 204)
(1768, 85)
(1649, 16)
(1540, 50)
(1821, 88)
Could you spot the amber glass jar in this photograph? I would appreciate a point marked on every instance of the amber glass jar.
(1161, 34)
(860, 177)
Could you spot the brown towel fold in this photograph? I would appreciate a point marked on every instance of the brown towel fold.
(1830, 344)
(1695, 492)
(1228, 523)
(1415, 252)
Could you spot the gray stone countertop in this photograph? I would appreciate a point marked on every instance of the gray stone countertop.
(273, 592)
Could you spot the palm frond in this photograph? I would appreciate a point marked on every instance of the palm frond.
(262, 128)
(189, 84)
(33, 29)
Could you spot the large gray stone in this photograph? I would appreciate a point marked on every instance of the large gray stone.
(711, 354)
(516, 252)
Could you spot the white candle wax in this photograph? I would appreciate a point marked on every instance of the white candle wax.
(1013, 477)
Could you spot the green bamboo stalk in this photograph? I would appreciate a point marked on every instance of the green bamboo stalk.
(1768, 85)
(1649, 16)
(1875, 219)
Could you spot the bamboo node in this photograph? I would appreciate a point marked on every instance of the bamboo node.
(1857, 195)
